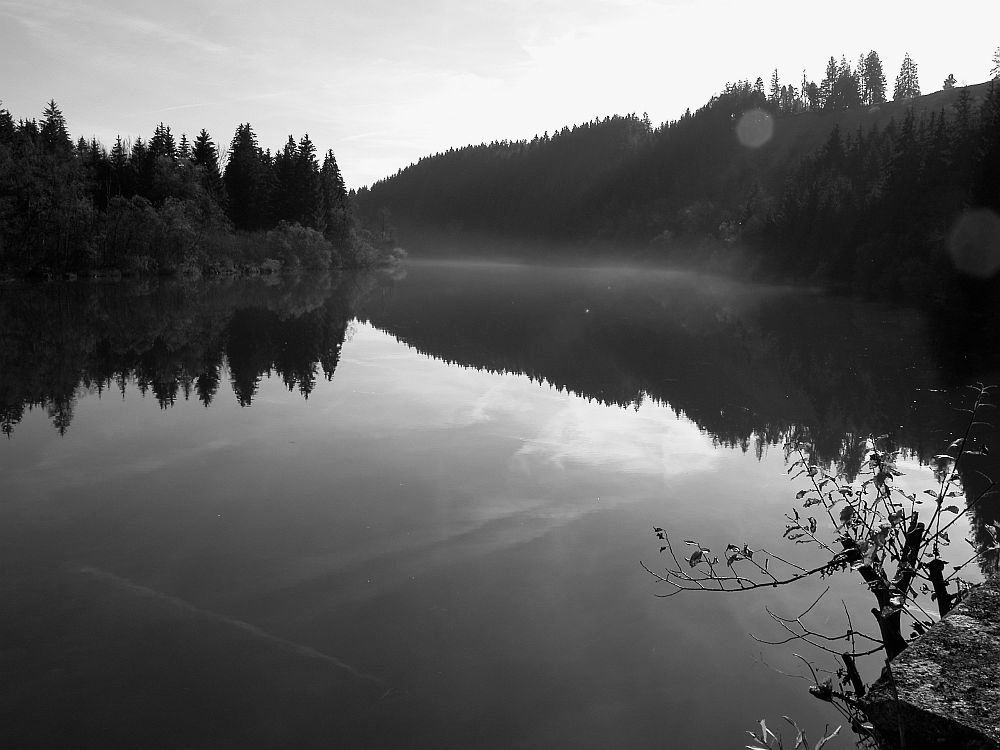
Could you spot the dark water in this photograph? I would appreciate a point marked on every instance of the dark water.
(409, 512)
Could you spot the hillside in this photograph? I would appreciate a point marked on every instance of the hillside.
(689, 191)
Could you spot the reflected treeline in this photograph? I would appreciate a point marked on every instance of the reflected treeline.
(751, 366)
(173, 339)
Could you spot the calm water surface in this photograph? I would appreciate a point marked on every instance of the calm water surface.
(409, 512)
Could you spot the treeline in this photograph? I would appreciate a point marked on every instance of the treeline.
(171, 340)
(167, 204)
(875, 209)
(873, 212)
(541, 187)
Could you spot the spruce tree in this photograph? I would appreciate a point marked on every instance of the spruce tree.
(873, 83)
(284, 199)
(829, 80)
(334, 216)
(7, 129)
(53, 133)
(205, 156)
(907, 82)
(246, 179)
(307, 184)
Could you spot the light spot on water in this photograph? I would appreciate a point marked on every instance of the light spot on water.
(755, 128)
(974, 243)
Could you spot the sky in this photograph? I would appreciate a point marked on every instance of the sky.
(384, 83)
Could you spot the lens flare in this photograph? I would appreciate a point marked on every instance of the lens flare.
(974, 243)
(755, 128)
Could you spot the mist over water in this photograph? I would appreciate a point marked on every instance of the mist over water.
(386, 512)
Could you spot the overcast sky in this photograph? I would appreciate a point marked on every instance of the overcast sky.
(383, 83)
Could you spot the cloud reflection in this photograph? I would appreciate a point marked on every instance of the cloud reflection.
(651, 441)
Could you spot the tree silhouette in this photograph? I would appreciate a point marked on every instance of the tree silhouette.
(907, 82)
(247, 181)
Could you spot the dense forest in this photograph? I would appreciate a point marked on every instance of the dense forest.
(829, 182)
(165, 205)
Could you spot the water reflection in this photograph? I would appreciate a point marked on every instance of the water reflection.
(442, 530)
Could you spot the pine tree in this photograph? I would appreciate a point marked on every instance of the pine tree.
(873, 83)
(829, 80)
(246, 179)
(205, 156)
(53, 133)
(7, 129)
(907, 83)
(775, 97)
(162, 143)
(284, 198)
(307, 184)
(995, 70)
(334, 215)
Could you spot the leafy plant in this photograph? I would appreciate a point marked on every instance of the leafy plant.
(893, 540)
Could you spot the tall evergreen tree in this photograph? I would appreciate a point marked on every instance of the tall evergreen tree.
(307, 184)
(873, 83)
(829, 80)
(162, 143)
(7, 128)
(284, 199)
(53, 133)
(907, 82)
(334, 216)
(246, 179)
(205, 156)
(775, 94)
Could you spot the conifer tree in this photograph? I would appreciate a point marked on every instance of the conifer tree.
(53, 133)
(162, 143)
(907, 83)
(873, 83)
(284, 198)
(205, 156)
(6, 127)
(334, 216)
(246, 179)
(307, 184)
(829, 79)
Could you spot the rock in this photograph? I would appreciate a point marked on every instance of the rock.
(946, 681)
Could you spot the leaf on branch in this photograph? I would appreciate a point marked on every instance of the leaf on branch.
(847, 513)
(800, 494)
(764, 732)
(819, 745)
(695, 557)
(953, 509)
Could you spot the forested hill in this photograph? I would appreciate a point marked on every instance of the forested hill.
(839, 190)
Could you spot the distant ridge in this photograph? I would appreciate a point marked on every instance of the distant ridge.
(689, 191)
